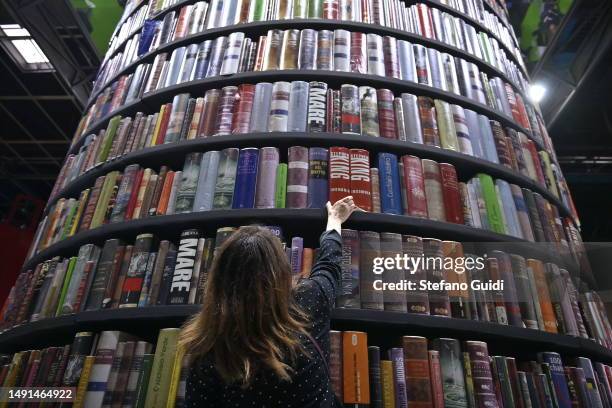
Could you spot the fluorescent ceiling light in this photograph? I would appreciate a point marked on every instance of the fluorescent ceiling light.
(18, 42)
(536, 92)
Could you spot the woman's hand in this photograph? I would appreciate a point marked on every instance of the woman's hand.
(339, 212)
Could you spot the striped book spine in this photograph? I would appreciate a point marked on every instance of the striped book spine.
(297, 177)
(351, 112)
(342, 50)
(317, 107)
(279, 107)
(241, 117)
(266, 180)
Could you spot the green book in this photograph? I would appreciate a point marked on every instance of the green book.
(143, 380)
(161, 372)
(109, 135)
(103, 200)
(259, 11)
(281, 186)
(494, 213)
(300, 8)
(451, 369)
(74, 205)
(500, 369)
(67, 278)
(469, 380)
(315, 8)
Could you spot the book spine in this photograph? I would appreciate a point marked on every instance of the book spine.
(186, 194)
(415, 187)
(280, 193)
(225, 111)
(246, 175)
(360, 183)
(484, 388)
(184, 268)
(205, 190)
(388, 390)
(356, 389)
(349, 295)
(369, 111)
(307, 49)
(386, 114)
(132, 285)
(358, 54)
(261, 107)
(266, 180)
(325, 50)
(376, 398)
(433, 190)
(297, 177)
(318, 176)
(226, 179)
(390, 190)
(161, 371)
(375, 180)
(279, 107)
(450, 194)
(494, 213)
(209, 113)
(339, 173)
(241, 118)
(317, 107)
(435, 373)
(298, 107)
(369, 249)
(416, 371)
(342, 50)
(101, 368)
(351, 110)
(453, 382)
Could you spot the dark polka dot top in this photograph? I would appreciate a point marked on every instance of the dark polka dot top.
(309, 387)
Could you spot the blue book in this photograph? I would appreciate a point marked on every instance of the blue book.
(246, 177)
(471, 119)
(557, 374)
(390, 192)
(207, 179)
(202, 60)
(318, 158)
(146, 37)
(297, 248)
(486, 139)
(509, 208)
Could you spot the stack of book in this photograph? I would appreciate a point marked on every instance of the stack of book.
(257, 178)
(535, 294)
(441, 372)
(338, 50)
(301, 106)
(110, 368)
(448, 373)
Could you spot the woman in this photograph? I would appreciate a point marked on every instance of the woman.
(258, 341)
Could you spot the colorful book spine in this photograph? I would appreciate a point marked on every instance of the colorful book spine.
(386, 114)
(225, 111)
(369, 111)
(351, 109)
(266, 180)
(279, 107)
(307, 49)
(390, 190)
(318, 176)
(416, 371)
(342, 50)
(360, 183)
(241, 118)
(358, 56)
(356, 388)
(246, 176)
(339, 173)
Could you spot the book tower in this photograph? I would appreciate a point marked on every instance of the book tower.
(209, 115)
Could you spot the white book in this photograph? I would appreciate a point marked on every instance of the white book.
(342, 50)
(207, 178)
(100, 371)
(232, 54)
(376, 59)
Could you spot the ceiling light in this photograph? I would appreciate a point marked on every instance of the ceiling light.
(536, 92)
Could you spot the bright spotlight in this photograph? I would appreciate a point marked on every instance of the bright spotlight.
(536, 93)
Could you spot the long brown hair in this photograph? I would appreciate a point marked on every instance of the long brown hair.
(249, 319)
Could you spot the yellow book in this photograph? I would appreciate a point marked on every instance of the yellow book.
(176, 376)
(388, 388)
(77, 217)
(163, 367)
(160, 118)
(79, 398)
(11, 376)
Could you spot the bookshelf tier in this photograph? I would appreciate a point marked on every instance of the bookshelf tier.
(261, 28)
(145, 322)
(173, 154)
(304, 222)
(153, 100)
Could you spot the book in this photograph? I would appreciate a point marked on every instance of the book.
(356, 389)
(101, 368)
(396, 355)
(266, 180)
(186, 194)
(226, 178)
(388, 390)
(412, 121)
(297, 177)
(369, 111)
(225, 111)
(341, 50)
(358, 53)
(325, 50)
(432, 180)
(360, 182)
(135, 276)
(416, 371)
(241, 118)
(307, 49)
(298, 106)
(318, 175)
(180, 287)
(450, 194)
(246, 175)
(161, 370)
(349, 295)
(351, 110)
(369, 249)
(279, 107)
(207, 178)
(317, 106)
(339, 173)
(386, 114)
(390, 191)
(451, 367)
(280, 192)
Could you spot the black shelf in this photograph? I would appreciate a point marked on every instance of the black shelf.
(307, 223)
(153, 100)
(173, 155)
(389, 326)
(261, 27)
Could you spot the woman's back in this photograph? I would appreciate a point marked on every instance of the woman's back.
(295, 373)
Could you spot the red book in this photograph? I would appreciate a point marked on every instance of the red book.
(89, 265)
(536, 161)
(425, 20)
(242, 113)
(361, 186)
(450, 193)
(129, 211)
(416, 371)
(163, 127)
(436, 378)
(386, 114)
(339, 173)
(415, 187)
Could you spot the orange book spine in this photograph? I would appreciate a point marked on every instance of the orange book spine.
(165, 194)
(355, 368)
(307, 259)
(416, 371)
(548, 313)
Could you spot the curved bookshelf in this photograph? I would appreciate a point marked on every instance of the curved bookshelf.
(304, 222)
(174, 154)
(153, 100)
(261, 27)
(145, 322)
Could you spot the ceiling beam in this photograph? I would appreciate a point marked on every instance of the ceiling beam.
(36, 98)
